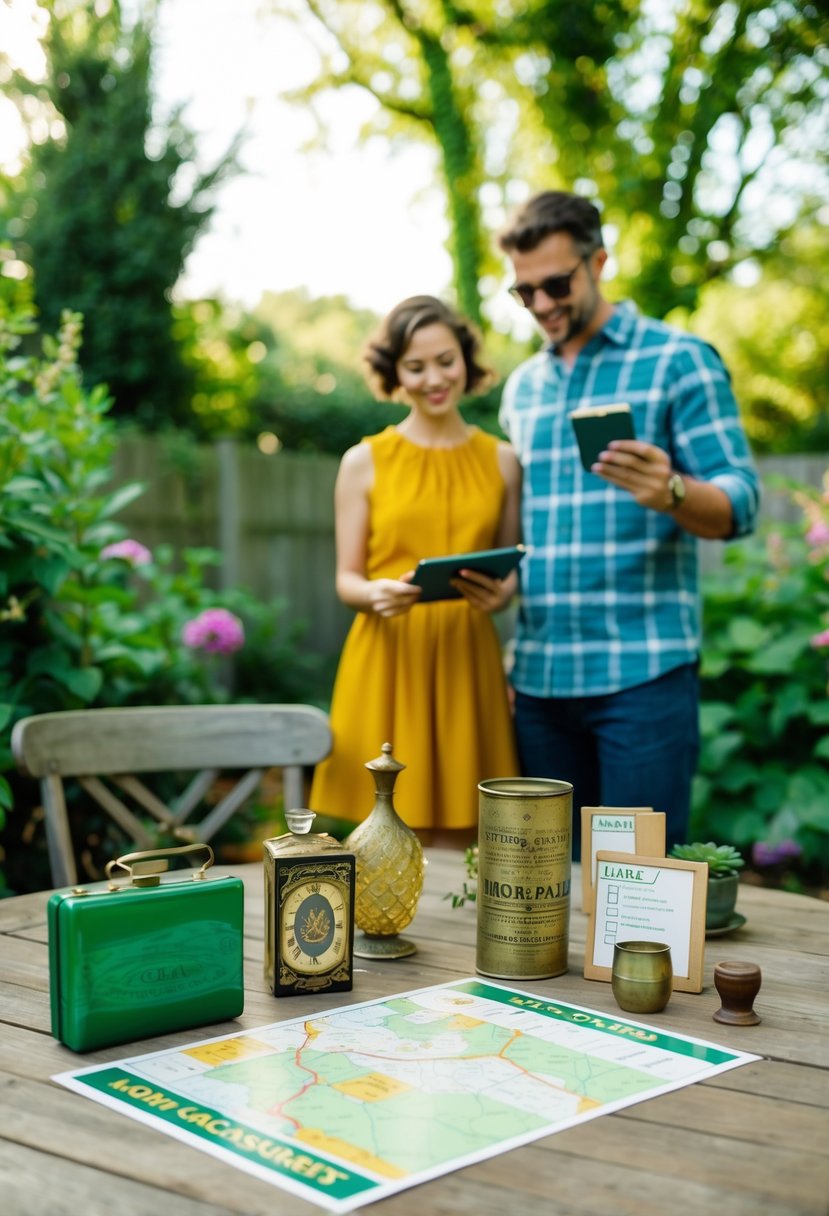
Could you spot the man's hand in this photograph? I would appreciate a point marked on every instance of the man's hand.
(642, 469)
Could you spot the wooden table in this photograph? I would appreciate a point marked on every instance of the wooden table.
(752, 1140)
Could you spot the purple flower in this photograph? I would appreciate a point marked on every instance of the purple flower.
(820, 639)
(818, 534)
(215, 631)
(765, 854)
(131, 551)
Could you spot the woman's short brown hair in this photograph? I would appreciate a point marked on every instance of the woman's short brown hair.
(392, 340)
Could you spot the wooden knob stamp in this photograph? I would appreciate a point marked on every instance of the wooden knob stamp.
(738, 985)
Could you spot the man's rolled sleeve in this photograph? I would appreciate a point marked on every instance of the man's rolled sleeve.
(709, 441)
(743, 491)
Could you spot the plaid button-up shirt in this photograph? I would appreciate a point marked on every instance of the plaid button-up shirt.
(609, 589)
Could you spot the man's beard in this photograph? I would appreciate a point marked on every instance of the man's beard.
(579, 317)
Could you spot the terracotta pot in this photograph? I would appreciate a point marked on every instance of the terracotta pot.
(722, 899)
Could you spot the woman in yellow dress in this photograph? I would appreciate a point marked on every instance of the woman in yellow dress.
(427, 678)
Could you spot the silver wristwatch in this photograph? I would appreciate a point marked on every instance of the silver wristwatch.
(677, 488)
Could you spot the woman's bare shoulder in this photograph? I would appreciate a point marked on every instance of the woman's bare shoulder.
(508, 460)
(357, 457)
(357, 465)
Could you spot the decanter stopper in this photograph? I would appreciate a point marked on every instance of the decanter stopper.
(299, 820)
(389, 869)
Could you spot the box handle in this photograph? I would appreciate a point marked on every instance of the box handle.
(145, 869)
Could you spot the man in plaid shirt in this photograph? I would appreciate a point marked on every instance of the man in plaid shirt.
(608, 635)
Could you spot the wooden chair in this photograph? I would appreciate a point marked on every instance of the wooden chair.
(103, 748)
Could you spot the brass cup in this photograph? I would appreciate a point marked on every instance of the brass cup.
(642, 976)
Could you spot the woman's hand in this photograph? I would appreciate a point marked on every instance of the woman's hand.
(485, 593)
(392, 596)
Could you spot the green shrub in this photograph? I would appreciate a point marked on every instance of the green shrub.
(88, 617)
(763, 779)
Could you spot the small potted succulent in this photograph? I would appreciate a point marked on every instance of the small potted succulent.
(724, 865)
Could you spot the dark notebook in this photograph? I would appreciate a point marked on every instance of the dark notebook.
(595, 428)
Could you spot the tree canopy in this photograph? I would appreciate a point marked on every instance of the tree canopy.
(109, 203)
(700, 126)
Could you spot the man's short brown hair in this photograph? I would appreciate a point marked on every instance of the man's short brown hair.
(549, 212)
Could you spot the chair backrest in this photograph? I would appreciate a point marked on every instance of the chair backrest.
(91, 745)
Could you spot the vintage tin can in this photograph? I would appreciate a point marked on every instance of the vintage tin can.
(524, 862)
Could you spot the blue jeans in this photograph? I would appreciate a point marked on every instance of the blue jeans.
(638, 747)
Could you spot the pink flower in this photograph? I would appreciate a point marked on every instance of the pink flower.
(131, 551)
(765, 854)
(818, 534)
(215, 631)
(820, 639)
(776, 549)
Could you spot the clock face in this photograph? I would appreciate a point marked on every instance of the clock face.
(314, 926)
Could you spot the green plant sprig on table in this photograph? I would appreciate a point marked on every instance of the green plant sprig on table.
(722, 859)
(469, 891)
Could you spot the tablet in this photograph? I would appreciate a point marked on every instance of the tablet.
(433, 573)
(596, 428)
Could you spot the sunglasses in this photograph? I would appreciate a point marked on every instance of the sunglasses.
(556, 286)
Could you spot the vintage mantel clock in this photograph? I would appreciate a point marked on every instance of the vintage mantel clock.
(309, 910)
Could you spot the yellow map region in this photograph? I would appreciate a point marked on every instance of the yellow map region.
(585, 1104)
(316, 1139)
(227, 1051)
(373, 1087)
(462, 1021)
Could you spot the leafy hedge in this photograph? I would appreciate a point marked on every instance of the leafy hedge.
(89, 617)
(763, 779)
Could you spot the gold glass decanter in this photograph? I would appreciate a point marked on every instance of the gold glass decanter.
(389, 869)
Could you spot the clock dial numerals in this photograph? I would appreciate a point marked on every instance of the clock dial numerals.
(313, 927)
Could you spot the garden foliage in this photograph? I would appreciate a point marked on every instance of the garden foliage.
(763, 776)
(88, 617)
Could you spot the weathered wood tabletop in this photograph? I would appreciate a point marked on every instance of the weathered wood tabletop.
(754, 1139)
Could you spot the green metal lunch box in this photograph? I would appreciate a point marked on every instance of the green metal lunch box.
(161, 952)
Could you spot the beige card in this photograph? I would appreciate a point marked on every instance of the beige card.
(618, 829)
(648, 899)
